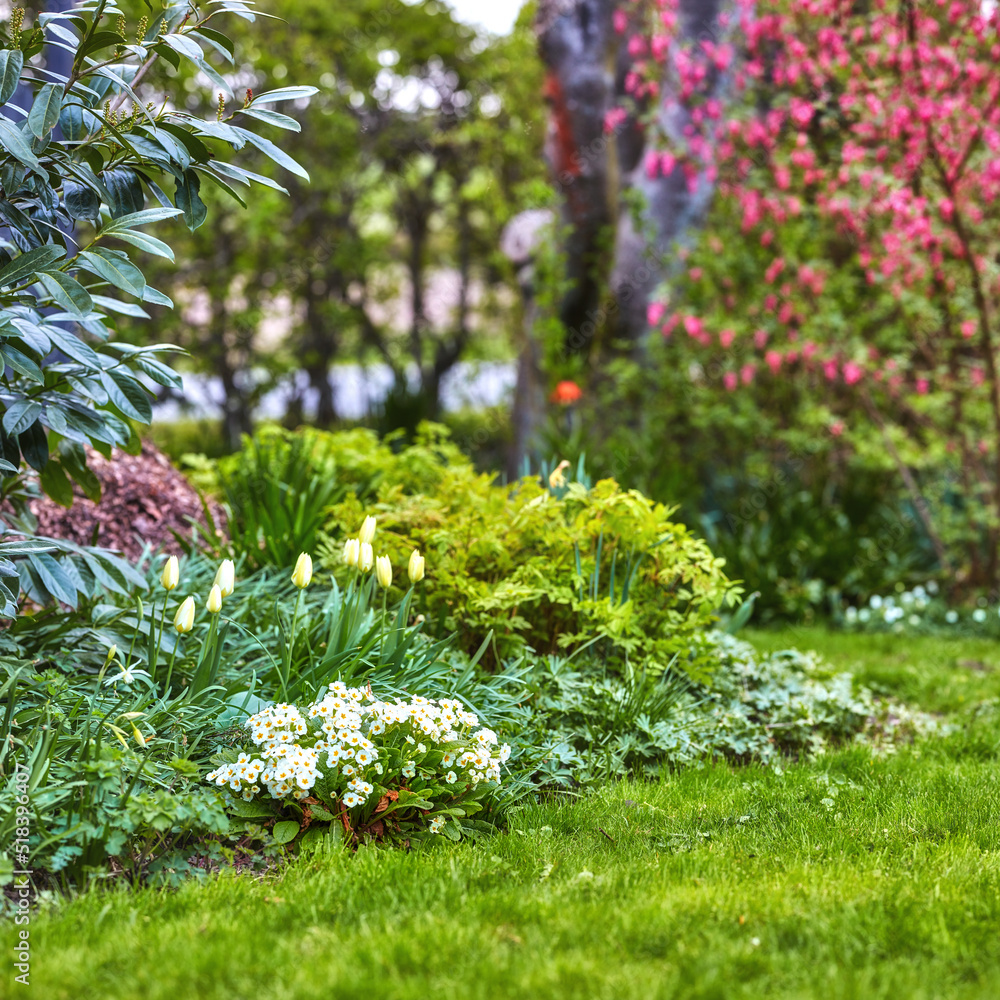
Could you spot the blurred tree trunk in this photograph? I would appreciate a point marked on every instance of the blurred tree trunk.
(613, 264)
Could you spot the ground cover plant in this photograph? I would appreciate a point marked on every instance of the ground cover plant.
(850, 875)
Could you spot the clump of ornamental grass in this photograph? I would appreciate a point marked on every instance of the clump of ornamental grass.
(360, 768)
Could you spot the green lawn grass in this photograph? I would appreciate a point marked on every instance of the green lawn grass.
(849, 876)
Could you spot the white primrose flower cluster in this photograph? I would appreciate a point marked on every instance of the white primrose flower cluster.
(361, 742)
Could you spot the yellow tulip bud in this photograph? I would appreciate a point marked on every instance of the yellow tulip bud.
(171, 574)
(214, 602)
(367, 532)
(225, 577)
(366, 557)
(383, 571)
(415, 569)
(352, 550)
(556, 477)
(184, 619)
(303, 571)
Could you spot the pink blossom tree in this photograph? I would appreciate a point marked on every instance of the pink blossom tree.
(861, 181)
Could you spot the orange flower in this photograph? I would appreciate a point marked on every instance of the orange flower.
(566, 393)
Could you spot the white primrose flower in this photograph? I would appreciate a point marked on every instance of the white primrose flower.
(451, 777)
(409, 769)
(437, 824)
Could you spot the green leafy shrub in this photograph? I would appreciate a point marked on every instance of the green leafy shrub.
(75, 173)
(550, 568)
(544, 567)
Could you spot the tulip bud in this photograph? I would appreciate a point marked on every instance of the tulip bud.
(225, 577)
(415, 569)
(352, 550)
(184, 619)
(367, 532)
(365, 557)
(383, 571)
(303, 571)
(171, 574)
(556, 478)
(214, 602)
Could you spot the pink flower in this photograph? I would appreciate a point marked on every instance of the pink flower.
(969, 329)
(654, 313)
(837, 428)
(852, 372)
(693, 326)
(922, 386)
(773, 360)
(830, 370)
(620, 21)
(726, 338)
(759, 339)
(729, 380)
(747, 373)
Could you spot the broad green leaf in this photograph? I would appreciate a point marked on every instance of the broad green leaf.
(157, 298)
(53, 576)
(142, 218)
(74, 461)
(144, 242)
(185, 46)
(72, 345)
(81, 201)
(30, 263)
(11, 64)
(244, 176)
(284, 94)
(45, 111)
(13, 141)
(272, 118)
(68, 292)
(34, 446)
(285, 831)
(188, 199)
(128, 394)
(125, 308)
(222, 44)
(22, 364)
(115, 269)
(20, 415)
(55, 482)
(279, 156)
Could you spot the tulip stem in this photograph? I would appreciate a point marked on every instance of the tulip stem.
(291, 648)
(170, 667)
(157, 637)
(385, 598)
